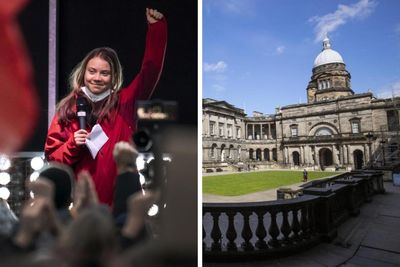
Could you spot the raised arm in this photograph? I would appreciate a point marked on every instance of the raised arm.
(156, 40)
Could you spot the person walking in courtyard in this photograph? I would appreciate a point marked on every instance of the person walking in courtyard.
(305, 175)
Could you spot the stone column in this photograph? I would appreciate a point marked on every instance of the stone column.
(301, 155)
(345, 160)
(287, 155)
(261, 132)
(334, 155)
(316, 157)
(349, 157)
(341, 155)
(306, 155)
(366, 156)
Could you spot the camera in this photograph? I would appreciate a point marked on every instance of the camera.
(152, 116)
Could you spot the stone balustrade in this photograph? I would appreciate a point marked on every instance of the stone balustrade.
(247, 231)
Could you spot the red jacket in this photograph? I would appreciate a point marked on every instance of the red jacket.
(60, 145)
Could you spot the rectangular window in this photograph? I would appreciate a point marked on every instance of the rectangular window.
(212, 128)
(393, 120)
(294, 131)
(355, 127)
(237, 132)
(221, 129)
(229, 130)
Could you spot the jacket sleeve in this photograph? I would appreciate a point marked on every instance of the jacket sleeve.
(144, 83)
(60, 144)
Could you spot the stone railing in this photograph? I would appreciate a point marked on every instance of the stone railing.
(247, 231)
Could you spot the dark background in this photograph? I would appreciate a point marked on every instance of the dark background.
(120, 24)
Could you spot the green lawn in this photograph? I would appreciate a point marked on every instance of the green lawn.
(249, 182)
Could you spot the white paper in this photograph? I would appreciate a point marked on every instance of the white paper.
(95, 140)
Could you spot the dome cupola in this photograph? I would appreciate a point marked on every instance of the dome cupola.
(327, 55)
(330, 79)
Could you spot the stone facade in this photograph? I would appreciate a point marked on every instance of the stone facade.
(335, 129)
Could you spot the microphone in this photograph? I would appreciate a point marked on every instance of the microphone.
(81, 108)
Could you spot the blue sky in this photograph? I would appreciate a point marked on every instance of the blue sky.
(258, 54)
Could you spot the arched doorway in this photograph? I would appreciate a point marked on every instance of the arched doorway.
(358, 157)
(222, 153)
(325, 158)
(296, 158)
(213, 151)
(258, 154)
(274, 154)
(251, 152)
(230, 152)
(266, 154)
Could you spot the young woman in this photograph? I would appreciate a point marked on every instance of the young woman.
(98, 78)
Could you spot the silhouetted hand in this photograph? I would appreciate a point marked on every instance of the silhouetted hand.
(125, 157)
(138, 206)
(38, 215)
(85, 193)
(42, 187)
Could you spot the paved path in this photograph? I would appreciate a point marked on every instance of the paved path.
(372, 239)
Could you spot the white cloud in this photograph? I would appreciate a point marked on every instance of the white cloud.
(220, 66)
(238, 7)
(280, 49)
(216, 75)
(390, 90)
(330, 22)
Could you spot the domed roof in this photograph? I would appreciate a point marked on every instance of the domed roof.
(327, 55)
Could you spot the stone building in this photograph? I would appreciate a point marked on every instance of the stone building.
(336, 128)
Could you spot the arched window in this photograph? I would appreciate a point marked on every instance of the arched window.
(266, 154)
(323, 131)
(230, 152)
(324, 84)
(213, 148)
(251, 151)
(223, 152)
(296, 158)
(258, 154)
(274, 154)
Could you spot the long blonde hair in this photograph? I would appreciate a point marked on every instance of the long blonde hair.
(65, 108)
